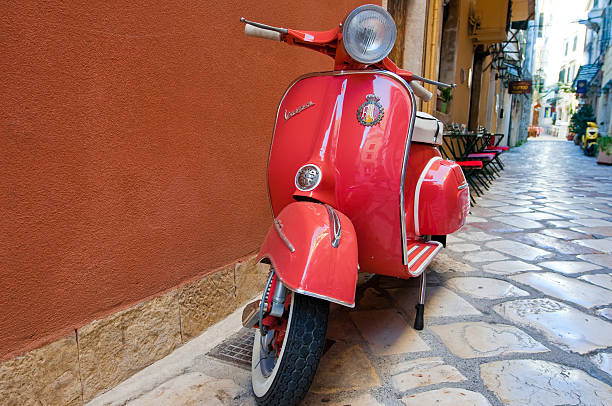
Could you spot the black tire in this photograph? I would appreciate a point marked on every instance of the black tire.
(296, 365)
(590, 150)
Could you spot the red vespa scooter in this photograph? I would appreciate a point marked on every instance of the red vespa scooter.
(356, 183)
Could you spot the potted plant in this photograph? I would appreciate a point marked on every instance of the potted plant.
(604, 145)
(444, 97)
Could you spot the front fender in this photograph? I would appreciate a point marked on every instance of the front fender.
(299, 247)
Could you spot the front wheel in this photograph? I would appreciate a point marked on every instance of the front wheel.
(590, 149)
(285, 359)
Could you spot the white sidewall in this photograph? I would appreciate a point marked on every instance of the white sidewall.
(261, 384)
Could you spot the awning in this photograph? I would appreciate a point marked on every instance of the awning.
(587, 73)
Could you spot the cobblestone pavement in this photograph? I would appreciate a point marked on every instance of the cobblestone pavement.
(518, 310)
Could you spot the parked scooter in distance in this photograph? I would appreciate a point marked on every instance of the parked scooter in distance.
(589, 140)
(356, 183)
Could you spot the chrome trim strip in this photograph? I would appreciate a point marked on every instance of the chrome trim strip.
(462, 186)
(329, 299)
(417, 192)
(419, 255)
(416, 247)
(278, 225)
(406, 149)
(425, 263)
(334, 222)
(404, 168)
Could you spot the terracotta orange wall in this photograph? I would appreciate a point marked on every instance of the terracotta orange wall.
(134, 140)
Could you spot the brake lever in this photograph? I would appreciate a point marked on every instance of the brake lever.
(264, 26)
(433, 82)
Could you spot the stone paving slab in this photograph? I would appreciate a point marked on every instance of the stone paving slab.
(592, 222)
(423, 372)
(485, 288)
(553, 244)
(563, 234)
(518, 222)
(446, 397)
(532, 382)
(344, 367)
(569, 267)
(603, 231)
(539, 216)
(191, 388)
(479, 339)
(601, 279)
(605, 312)
(464, 247)
(603, 360)
(563, 325)
(604, 260)
(387, 332)
(441, 302)
(517, 249)
(478, 236)
(485, 256)
(603, 245)
(564, 288)
(509, 267)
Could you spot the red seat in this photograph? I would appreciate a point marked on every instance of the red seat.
(488, 155)
(470, 164)
(497, 149)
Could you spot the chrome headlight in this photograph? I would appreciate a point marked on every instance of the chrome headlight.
(369, 34)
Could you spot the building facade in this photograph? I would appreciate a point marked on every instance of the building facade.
(595, 73)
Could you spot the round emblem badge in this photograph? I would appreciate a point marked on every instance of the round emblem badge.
(371, 112)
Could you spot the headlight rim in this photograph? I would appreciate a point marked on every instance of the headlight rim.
(346, 25)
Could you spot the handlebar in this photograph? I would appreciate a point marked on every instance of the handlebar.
(252, 31)
(320, 41)
(421, 92)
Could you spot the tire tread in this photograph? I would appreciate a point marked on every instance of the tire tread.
(301, 357)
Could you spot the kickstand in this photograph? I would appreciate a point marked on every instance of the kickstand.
(420, 308)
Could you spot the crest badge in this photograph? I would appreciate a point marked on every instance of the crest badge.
(371, 112)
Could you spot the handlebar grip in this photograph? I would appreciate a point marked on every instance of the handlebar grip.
(421, 92)
(253, 31)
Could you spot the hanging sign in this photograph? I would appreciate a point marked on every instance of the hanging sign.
(520, 87)
(581, 87)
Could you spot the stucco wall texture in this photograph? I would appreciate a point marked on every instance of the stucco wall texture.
(133, 139)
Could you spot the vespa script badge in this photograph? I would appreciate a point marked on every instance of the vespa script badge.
(371, 112)
(289, 114)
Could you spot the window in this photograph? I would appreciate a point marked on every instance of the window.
(562, 75)
(575, 43)
(566, 47)
(540, 25)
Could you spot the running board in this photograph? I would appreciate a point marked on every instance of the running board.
(420, 254)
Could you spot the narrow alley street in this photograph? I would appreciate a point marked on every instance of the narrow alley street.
(518, 310)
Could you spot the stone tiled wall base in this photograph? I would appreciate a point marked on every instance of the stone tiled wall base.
(100, 355)
(48, 375)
